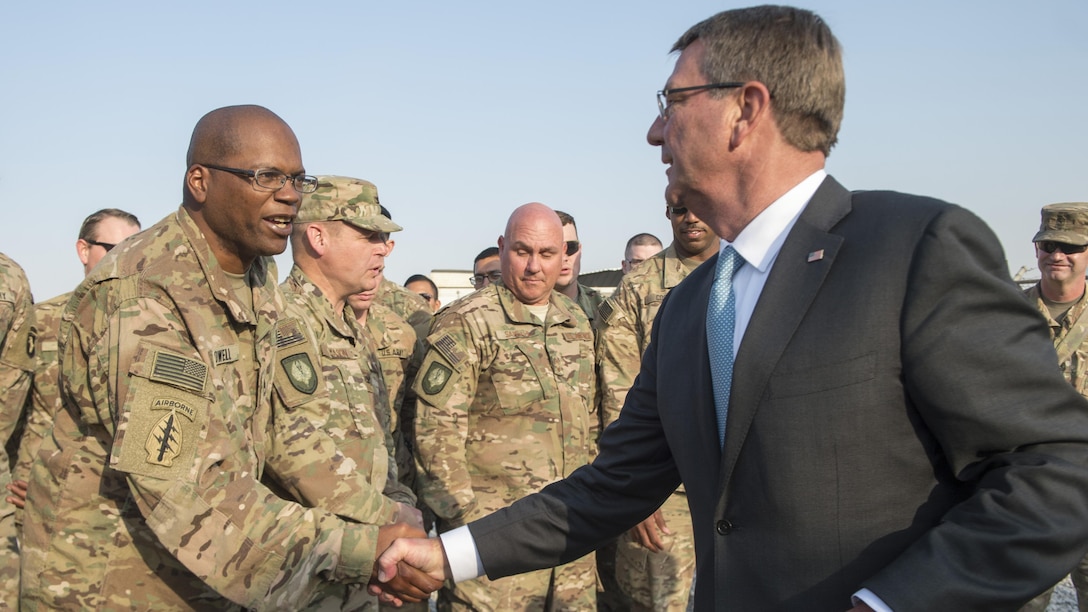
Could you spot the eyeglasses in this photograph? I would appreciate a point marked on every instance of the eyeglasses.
(1049, 246)
(678, 211)
(663, 95)
(572, 247)
(478, 279)
(272, 179)
(104, 245)
(426, 296)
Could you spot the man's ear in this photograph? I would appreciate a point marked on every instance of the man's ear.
(754, 102)
(317, 237)
(83, 250)
(196, 182)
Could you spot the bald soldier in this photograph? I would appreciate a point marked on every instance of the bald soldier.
(98, 234)
(506, 406)
(655, 561)
(17, 345)
(338, 244)
(147, 494)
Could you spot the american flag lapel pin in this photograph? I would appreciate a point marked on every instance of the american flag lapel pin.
(815, 256)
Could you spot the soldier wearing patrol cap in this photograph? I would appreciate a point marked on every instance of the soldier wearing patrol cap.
(334, 382)
(147, 495)
(1060, 248)
(17, 346)
(506, 406)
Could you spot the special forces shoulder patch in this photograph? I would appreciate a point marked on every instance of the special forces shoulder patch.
(166, 439)
(438, 374)
(32, 342)
(300, 372)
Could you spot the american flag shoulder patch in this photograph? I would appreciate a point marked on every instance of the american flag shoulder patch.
(288, 333)
(179, 371)
(447, 347)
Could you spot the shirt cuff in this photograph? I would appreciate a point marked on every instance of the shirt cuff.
(870, 599)
(465, 562)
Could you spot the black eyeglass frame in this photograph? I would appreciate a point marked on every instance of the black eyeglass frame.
(478, 279)
(105, 245)
(663, 95)
(302, 183)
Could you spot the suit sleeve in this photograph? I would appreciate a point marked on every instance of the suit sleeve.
(1016, 433)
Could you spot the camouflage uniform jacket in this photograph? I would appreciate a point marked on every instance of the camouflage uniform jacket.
(505, 402)
(146, 495)
(588, 300)
(44, 399)
(17, 346)
(623, 326)
(17, 351)
(347, 407)
(399, 352)
(1075, 368)
(409, 306)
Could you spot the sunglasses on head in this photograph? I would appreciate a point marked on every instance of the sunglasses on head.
(1049, 246)
(573, 246)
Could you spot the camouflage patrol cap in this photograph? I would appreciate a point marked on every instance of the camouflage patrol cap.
(1066, 222)
(342, 198)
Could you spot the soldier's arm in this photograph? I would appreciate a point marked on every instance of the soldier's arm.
(445, 388)
(619, 354)
(134, 374)
(17, 346)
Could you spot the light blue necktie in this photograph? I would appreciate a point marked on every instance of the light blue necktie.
(721, 319)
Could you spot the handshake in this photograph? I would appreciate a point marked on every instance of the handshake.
(412, 567)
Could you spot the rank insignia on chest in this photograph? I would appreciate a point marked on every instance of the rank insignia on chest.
(300, 371)
(436, 378)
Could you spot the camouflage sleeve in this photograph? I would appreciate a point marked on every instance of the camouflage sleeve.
(394, 488)
(206, 506)
(43, 400)
(17, 349)
(316, 444)
(619, 353)
(445, 389)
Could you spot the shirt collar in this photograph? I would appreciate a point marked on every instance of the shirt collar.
(759, 242)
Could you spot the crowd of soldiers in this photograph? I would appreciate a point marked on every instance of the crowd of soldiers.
(185, 432)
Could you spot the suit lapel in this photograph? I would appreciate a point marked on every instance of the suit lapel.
(791, 287)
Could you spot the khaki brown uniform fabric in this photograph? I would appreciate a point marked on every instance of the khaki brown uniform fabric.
(506, 406)
(399, 353)
(589, 299)
(651, 580)
(17, 350)
(147, 494)
(44, 398)
(345, 403)
(408, 305)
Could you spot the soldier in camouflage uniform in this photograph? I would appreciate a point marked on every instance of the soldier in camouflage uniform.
(147, 494)
(506, 406)
(407, 304)
(655, 563)
(98, 234)
(587, 298)
(1061, 248)
(400, 352)
(17, 347)
(339, 246)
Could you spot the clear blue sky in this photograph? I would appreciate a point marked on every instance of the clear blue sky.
(460, 111)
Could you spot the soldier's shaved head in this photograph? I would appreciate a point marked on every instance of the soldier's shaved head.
(531, 252)
(241, 219)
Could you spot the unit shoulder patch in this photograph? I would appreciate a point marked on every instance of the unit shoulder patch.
(438, 374)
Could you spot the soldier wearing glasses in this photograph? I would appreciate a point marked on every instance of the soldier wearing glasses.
(587, 298)
(506, 396)
(147, 494)
(1059, 295)
(486, 269)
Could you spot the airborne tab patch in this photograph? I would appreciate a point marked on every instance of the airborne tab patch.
(300, 372)
(179, 371)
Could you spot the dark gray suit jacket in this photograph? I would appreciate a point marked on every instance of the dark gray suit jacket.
(897, 422)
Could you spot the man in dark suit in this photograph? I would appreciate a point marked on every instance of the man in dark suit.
(893, 436)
